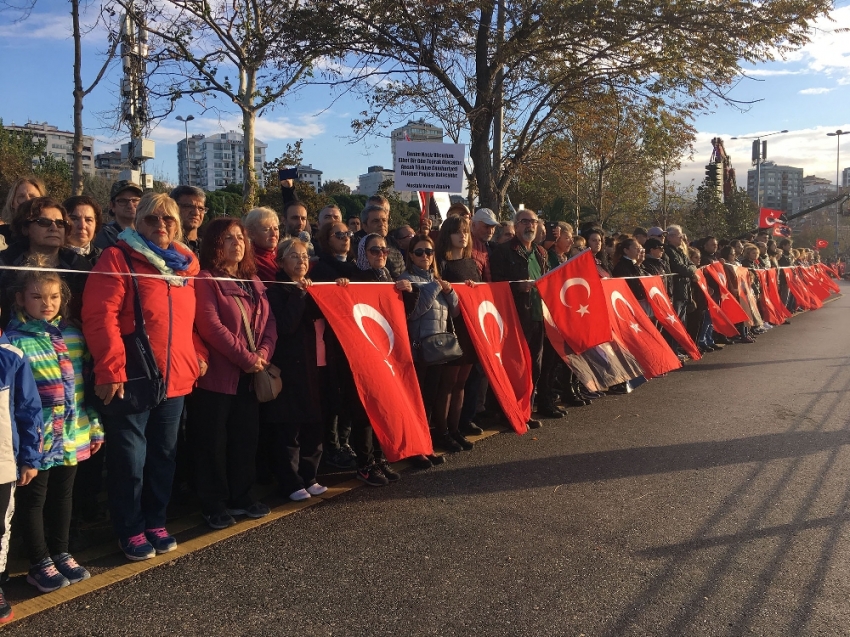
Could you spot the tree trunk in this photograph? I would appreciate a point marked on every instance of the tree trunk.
(77, 148)
(249, 119)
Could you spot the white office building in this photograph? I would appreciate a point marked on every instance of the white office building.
(310, 175)
(59, 143)
(215, 161)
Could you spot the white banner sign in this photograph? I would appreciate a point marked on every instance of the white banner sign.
(429, 166)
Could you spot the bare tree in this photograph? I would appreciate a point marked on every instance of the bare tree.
(267, 47)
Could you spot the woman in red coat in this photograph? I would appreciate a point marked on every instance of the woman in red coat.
(224, 414)
(142, 446)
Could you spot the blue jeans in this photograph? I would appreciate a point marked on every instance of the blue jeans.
(140, 466)
(706, 331)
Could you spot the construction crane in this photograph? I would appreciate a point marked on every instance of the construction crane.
(719, 174)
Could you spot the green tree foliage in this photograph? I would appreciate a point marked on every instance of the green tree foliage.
(350, 205)
(21, 155)
(224, 203)
(336, 187)
(465, 61)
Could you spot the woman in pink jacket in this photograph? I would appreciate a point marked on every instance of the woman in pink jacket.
(223, 413)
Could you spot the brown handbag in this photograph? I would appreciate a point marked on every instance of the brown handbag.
(267, 383)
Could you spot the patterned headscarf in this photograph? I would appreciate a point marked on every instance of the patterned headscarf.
(363, 261)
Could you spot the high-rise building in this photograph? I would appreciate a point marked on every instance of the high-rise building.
(369, 183)
(845, 178)
(215, 161)
(779, 185)
(59, 143)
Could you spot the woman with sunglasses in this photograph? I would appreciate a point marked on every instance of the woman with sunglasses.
(372, 467)
(435, 308)
(142, 446)
(40, 227)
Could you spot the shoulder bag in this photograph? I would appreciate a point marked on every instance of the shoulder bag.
(439, 348)
(145, 386)
(267, 382)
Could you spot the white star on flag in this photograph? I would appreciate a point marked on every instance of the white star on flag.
(635, 327)
(582, 309)
(726, 297)
(671, 318)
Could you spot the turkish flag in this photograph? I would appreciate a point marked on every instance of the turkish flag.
(719, 321)
(826, 274)
(666, 316)
(634, 331)
(575, 298)
(781, 230)
(821, 243)
(769, 217)
(773, 291)
(768, 310)
(491, 318)
(424, 203)
(731, 308)
(814, 283)
(800, 290)
(746, 295)
(369, 321)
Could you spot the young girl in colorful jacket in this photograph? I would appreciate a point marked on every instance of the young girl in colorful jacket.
(56, 353)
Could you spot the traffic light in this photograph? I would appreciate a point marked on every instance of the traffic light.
(714, 178)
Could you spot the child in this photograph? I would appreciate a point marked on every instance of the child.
(72, 432)
(21, 433)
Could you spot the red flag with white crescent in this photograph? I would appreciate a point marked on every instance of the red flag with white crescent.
(731, 308)
(493, 324)
(574, 295)
(820, 244)
(370, 322)
(768, 310)
(826, 274)
(719, 321)
(769, 217)
(773, 291)
(814, 282)
(800, 290)
(661, 306)
(634, 331)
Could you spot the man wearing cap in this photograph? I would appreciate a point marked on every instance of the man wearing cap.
(484, 224)
(192, 204)
(656, 232)
(123, 199)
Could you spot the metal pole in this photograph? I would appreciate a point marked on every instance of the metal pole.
(758, 178)
(837, 134)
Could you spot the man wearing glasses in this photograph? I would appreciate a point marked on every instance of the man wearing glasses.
(522, 262)
(123, 199)
(191, 202)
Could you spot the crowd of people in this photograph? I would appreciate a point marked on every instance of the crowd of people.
(139, 345)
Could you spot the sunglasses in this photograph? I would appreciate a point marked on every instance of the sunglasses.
(44, 222)
(376, 250)
(154, 220)
(424, 252)
(528, 222)
(343, 235)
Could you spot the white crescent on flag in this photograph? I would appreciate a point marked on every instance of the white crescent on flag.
(363, 310)
(653, 292)
(616, 296)
(582, 309)
(485, 308)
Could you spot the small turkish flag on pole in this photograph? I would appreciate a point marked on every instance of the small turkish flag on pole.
(575, 298)
(768, 217)
(633, 329)
(666, 316)
(820, 244)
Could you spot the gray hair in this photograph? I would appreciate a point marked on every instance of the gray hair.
(153, 201)
(255, 217)
(288, 245)
(364, 214)
(191, 191)
(676, 229)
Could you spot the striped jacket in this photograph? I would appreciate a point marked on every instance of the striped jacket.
(56, 352)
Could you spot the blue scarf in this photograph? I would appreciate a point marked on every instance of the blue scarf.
(167, 261)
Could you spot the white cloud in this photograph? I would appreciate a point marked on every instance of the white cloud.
(267, 128)
(815, 91)
(771, 72)
(41, 26)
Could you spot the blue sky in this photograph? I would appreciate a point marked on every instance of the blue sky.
(806, 93)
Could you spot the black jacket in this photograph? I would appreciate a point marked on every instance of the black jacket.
(507, 263)
(681, 266)
(660, 267)
(627, 268)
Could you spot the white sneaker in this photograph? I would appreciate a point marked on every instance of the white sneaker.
(316, 489)
(298, 496)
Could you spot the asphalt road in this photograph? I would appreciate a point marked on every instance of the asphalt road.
(713, 501)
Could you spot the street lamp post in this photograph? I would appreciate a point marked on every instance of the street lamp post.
(759, 155)
(186, 126)
(837, 134)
